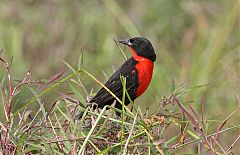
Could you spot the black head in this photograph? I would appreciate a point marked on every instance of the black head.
(141, 46)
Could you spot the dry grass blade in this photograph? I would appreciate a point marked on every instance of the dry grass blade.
(52, 80)
(197, 117)
(195, 123)
(232, 145)
(122, 52)
(68, 98)
(27, 79)
(222, 125)
(81, 151)
(1, 59)
(191, 118)
(130, 135)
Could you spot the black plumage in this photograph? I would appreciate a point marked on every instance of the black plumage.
(137, 70)
(127, 70)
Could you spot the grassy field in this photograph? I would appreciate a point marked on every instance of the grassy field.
(55, 54)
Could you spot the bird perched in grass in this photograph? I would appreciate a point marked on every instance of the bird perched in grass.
(137, 70)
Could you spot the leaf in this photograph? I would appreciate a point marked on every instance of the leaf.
(47, 147)
(33, 150)
(78, 94)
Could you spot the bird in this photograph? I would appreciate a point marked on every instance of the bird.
(137, 70)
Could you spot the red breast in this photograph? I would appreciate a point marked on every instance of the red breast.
(145, 71)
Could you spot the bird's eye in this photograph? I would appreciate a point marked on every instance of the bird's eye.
(131, 40)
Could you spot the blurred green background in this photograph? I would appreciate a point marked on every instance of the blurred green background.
(196, 42)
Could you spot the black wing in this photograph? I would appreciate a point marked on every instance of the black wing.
(103, 97)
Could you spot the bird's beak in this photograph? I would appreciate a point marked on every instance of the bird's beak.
(126, 42)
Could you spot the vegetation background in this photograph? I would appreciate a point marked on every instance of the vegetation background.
(196, 42)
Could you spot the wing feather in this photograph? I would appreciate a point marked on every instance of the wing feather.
(103, 97)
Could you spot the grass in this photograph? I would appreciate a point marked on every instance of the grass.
(59, 132)
(191, 106)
